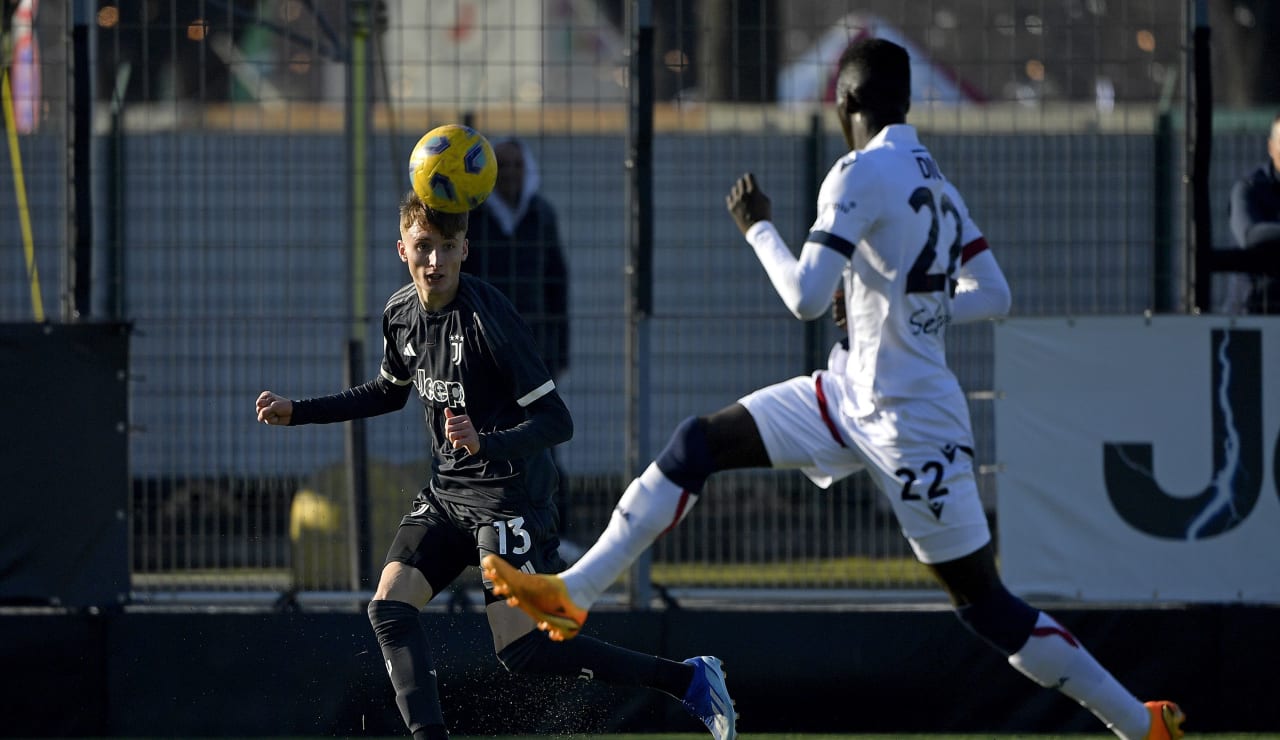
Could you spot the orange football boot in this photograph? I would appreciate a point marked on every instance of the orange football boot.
(542, 597)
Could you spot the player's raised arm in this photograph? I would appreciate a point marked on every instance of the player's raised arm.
(806, 284)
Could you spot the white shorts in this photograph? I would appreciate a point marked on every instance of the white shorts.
(919, 456)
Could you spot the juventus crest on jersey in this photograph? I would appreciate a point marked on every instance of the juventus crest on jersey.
(475, 357)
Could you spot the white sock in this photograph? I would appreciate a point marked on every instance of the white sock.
(1054, 658)
(651, 505)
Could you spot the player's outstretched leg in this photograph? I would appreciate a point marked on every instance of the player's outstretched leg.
(542, 597)
(708, 698)
(1166, 720)
(1040, 648)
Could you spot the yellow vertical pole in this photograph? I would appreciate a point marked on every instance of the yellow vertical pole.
(20, 190)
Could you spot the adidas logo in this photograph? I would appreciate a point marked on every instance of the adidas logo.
(408, 350)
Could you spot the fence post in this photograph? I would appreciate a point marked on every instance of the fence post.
(639, 283)
(77, 271)
(815, 350)
(1199, 138)
(357, 127)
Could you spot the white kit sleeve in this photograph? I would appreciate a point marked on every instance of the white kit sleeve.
(805, 285)
(981, 291)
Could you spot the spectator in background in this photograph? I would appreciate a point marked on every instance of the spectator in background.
(515, 247)
(1255, 223)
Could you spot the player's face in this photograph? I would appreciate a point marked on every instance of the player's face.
(846, 125)
(510, 172)
(435, 261)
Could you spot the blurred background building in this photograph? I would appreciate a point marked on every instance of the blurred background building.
(558, 51)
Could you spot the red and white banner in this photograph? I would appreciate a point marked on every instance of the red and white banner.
(1138, 457)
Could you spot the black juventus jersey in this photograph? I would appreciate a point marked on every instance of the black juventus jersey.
(478, 357)
(475, 357)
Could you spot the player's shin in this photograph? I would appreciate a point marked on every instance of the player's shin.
(651, 505)
(407, 658)
(1054, 658)
(588, 658)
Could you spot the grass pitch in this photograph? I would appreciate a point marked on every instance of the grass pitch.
(1192, 735)
(893, 736)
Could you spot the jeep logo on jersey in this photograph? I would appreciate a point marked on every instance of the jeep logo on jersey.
(448, 392)
(455, 343)
(1235, 393)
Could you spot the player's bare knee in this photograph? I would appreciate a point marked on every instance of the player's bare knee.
(402, 582)
(521, 654)
(508, 626)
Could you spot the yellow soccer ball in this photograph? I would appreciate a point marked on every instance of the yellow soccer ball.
(453, 168)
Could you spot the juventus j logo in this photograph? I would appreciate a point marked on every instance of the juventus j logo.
(1235, 396)
(455, 342)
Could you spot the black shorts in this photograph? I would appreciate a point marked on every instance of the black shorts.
(440, 538)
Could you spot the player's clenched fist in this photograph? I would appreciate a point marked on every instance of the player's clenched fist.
(461, 432)
(274, 409)
(747, 203)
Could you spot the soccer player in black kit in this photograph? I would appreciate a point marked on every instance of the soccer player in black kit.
(493, 413)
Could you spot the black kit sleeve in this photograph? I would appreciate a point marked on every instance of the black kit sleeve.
(378, 396)
(548, 424)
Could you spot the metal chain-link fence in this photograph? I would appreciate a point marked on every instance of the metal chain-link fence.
(246, 163)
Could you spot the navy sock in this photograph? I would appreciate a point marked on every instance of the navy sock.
(407, 658)
(1000, 618)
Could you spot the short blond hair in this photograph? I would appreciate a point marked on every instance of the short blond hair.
(414, 211)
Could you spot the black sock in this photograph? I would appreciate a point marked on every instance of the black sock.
(407, 658)
(587, 657)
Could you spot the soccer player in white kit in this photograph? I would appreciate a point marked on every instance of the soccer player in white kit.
(895, 236)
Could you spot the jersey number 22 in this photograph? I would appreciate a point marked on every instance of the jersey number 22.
(919, 279)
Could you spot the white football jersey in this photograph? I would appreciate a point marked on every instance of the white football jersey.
(889, 210)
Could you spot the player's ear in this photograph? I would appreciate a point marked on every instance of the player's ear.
(466, 248)
(400, 248)
(846, 101)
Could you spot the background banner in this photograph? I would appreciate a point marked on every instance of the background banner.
(1138, 457)
(64, 447)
